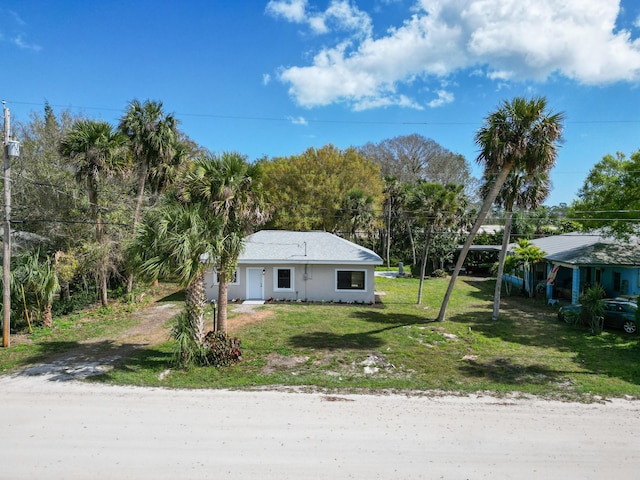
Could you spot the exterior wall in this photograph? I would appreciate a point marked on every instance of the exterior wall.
(315, 283)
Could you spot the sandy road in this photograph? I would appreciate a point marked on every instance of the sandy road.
(71, 430)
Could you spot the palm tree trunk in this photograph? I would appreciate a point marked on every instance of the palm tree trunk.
(195, 304)
(47, 317)
(389, 237)
(503, 255)
(413, 245)
(222, 303)
(484, 211)
(142, 178)
(423, 268)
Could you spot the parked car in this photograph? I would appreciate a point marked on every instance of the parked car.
(628, 298)
(617, 314)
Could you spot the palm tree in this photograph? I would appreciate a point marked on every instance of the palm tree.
(229, 186)
(521, 133)
(94, 150)
(152, 136)
(152, 139)
(357, 215)
(178, 240)
(433, 205)
(526, 192)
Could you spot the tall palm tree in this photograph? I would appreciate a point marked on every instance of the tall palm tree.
(520, 133)
(433, 205)
(152, 137)
(95, 151)
(526, 192)
(230, 188)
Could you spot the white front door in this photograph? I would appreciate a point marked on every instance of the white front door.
(255, 284)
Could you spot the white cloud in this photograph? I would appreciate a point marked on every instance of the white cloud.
(507, 40)
(266, 79)
(298, 120)
(341, 15)
(444, 97)
(291, 10)
(17, 18)
(19, 41)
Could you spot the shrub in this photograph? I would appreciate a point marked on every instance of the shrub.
(439, 273)
(222, 350)
(217, 349)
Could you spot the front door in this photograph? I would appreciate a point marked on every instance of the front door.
(255, 284)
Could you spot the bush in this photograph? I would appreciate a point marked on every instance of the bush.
(221, 349)
(217, 349)
(439, 273)
(76, 302)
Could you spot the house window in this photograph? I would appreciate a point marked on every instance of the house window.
(350, 279)
(232, 278)
(598, 276)
(283, 279)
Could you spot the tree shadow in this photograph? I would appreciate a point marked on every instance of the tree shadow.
(613, 353)
(178, 296)
(504, 370)
(65, 361)
(360, 340)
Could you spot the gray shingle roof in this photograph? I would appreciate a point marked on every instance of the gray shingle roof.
(579, 248)
(283, 246)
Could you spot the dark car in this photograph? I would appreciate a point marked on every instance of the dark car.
(617, 314)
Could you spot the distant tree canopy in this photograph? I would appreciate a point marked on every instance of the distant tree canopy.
(610, 196)
(309, 191)
(413, 158)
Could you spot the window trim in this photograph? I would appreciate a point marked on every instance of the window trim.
(292, 273)
(236, 273)
(364, 280)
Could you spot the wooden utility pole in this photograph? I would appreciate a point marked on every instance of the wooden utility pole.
(6, 258)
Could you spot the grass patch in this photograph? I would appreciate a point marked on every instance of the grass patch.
(394, 346)
(398, 346)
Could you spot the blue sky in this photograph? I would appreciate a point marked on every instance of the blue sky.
(277, 77)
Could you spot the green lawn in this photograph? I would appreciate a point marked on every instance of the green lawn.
(397, 346)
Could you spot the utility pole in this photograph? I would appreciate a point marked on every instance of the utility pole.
(9, 150)
(6, 225)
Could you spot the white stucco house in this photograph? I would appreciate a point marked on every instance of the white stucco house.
(307, 266)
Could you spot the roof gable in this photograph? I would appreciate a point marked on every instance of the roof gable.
(284, 246)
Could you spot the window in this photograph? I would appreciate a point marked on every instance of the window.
(232, 278)
(350, 279)
(283, 279)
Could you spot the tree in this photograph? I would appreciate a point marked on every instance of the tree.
(179, 239)
(522, 134)
(433, 205)
(43, 186)
(152, 139)
(413, 158)
(307, 190)
(610, 196)
(152, 136)
(525, 191)
(357, 215)
(229, 187)
(525, 255)
(94, 150)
